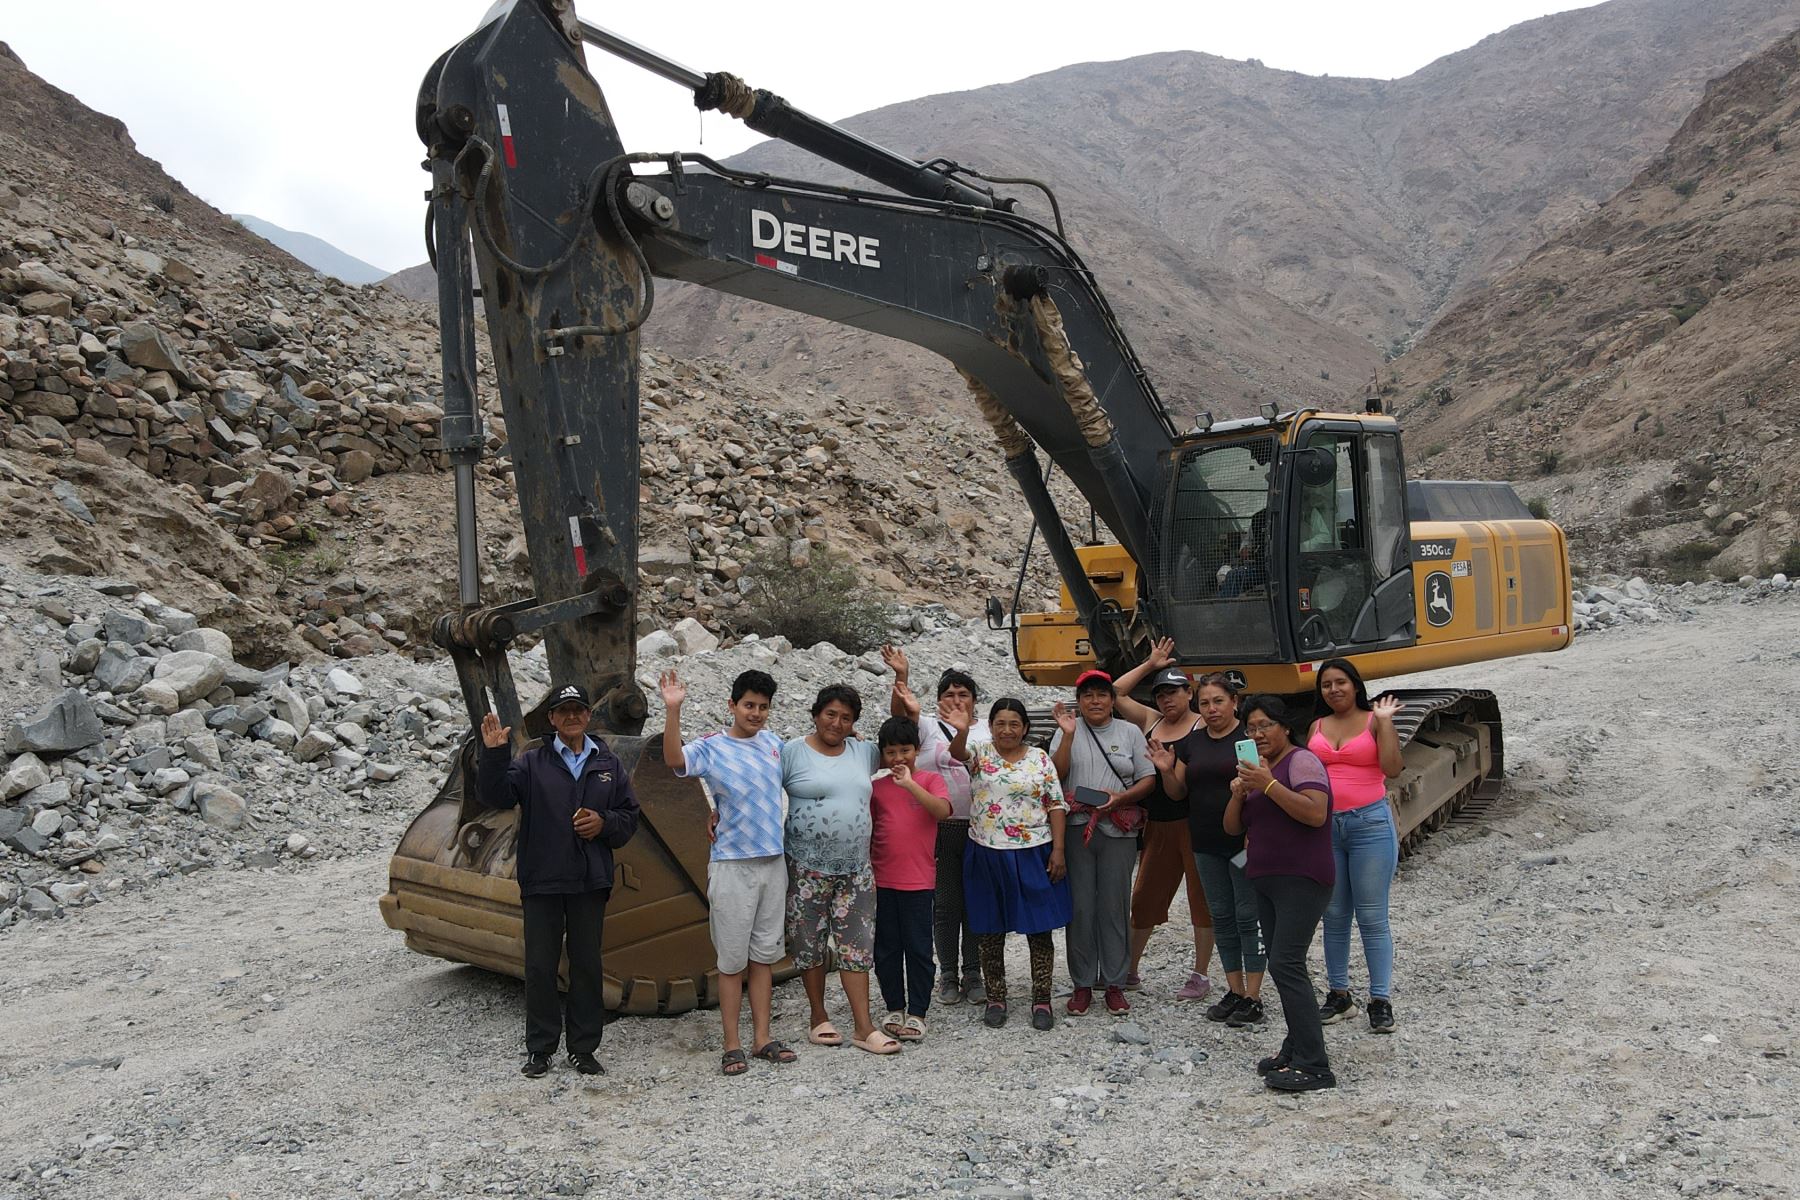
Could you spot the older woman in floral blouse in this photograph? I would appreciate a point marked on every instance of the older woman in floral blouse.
(1014, 877)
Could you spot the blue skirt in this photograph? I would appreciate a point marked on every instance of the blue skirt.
(1009, 891)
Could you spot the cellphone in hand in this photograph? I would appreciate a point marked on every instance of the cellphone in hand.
(1092, 797)
(1246, 753)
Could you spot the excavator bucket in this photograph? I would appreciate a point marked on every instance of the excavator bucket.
(452, 891)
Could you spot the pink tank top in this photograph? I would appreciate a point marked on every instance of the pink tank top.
(1357, 780)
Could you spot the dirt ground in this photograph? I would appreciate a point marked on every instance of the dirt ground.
(1594, 994)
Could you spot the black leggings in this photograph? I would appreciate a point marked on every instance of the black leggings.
(956, 952)
(1290, 907)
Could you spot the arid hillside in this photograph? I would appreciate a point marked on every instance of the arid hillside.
(186, 407)
(1263, 232)
(1657, 336)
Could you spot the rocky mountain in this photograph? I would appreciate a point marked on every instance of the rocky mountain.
(1646, 356)
(1260, 230)
(415, 283)
(187, 409)
(315, 252)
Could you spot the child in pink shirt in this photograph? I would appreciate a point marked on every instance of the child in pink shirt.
(906, 807)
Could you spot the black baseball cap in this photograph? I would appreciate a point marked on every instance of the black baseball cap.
(569, 693)
(1169, 677)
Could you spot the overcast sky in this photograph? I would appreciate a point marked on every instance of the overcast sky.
(302, 113)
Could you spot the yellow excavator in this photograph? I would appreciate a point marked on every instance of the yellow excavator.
(1262, 545)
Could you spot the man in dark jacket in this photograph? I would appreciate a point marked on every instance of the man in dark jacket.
(576, 807)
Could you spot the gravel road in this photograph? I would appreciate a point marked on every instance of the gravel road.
(1594, 996)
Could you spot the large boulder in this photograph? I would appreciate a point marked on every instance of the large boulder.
(121, 670)
(289, 707)
(146, 346)
(68, 723)
(192, 673)
(219, 806)
(24, 773)
(215, 642)
(694, 637)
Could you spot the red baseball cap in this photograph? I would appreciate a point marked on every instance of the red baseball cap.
(1093, 674)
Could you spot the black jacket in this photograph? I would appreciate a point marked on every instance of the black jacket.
(552, 859)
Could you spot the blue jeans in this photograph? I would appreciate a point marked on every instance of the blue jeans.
(1237, 928)
(1367, 850)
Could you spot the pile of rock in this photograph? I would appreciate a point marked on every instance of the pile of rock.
(1604, 605)
(158, 753)
(256, 404)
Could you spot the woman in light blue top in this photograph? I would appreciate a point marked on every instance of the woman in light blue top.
(831, 888)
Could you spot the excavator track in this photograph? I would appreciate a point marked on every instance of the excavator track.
(1455, 759)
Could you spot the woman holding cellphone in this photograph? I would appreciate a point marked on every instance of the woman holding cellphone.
(1284, 804)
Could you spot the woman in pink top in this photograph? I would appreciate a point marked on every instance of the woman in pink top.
(1361, 751)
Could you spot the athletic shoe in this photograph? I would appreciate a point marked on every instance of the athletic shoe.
(1116, 1003)
(1295, 1079)
(975, 991)
(1338, 1006)
(587, 1064)
(1381, 1015)
(1225, 1007)
(1196, 987)
(1080, 1000)
(1273, 1063)
(1133, 983)
(949, 991)
(1248, 1012)
(535, 1066)
(995, 1016)
(1042, 1017)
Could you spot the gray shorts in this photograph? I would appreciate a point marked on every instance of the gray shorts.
(747, 897)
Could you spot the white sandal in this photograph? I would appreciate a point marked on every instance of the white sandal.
(894, 1024)
(912, 1030)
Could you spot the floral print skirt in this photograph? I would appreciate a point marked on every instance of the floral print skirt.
(831, 916)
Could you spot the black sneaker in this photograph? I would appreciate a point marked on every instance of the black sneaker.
(1042, 1017)
(1298, 1079)
(587, 1064)
(1381, 1015)
(1338, 1006)
(1273, 1063)
(995, 1016)
(1225, 1007)
(1248, 1012)
(536, 1066)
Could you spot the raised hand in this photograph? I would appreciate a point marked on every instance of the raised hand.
(1162, 654)
(956, 714)
(1162, 755)
(493, 734)
(1065, 718)
(1387, 708)
(900, 773)
(674, 692)
(908, 701)
(895, 658)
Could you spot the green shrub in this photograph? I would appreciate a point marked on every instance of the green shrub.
(824, 601)
(1540, 508)
(1685, 312)
(1789, 564)
(1685, 188)
(1687, 561)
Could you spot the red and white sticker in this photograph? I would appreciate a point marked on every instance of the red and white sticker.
(580, 550)
(506, 142)
(775, 264)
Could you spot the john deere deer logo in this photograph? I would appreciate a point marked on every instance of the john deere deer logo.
(1440, 607)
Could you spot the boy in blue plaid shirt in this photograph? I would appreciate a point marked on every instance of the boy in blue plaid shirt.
(746, 881)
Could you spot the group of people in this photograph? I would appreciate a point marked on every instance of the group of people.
(913, 857)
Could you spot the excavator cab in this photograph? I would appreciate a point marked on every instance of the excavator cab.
(1285, 538)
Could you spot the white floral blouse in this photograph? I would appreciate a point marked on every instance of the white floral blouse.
(1010, 803)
